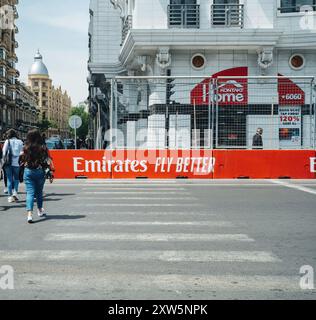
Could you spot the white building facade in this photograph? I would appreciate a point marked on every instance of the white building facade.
(203, 40)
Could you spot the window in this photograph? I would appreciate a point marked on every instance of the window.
(292, 6)
(2, 54)
(184, 14)
(36, 84)
(198, 61)
(2, 72)
(229, 13)
(297, 61)
(3, 89)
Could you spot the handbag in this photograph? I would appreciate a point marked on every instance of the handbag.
(7, 158)
(48, 167)
(21, 173)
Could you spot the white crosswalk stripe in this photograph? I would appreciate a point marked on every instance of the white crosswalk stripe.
(209, 224)
(147, 192)
(105, 213)
(151, 237)
(126, 188)
(157, 283)
(128, 205)
(136, 198)
(142, 255)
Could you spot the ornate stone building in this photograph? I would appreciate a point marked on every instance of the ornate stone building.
(8, 60)
(54, 103)
(199, 40)
(26, 111)
(18, 103)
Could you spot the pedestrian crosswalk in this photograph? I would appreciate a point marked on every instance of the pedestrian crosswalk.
(208, 224)
(141, 255)
(151, 237)
(146, 247)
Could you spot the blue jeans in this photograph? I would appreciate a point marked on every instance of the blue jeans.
(12, 178)
(34, 180)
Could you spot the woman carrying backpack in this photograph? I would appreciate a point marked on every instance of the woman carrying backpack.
(12, 149)
(36, 162)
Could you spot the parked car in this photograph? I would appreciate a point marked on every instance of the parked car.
(54, 143)
(69, 144)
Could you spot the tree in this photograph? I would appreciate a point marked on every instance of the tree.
(83, 131)
(44, 125)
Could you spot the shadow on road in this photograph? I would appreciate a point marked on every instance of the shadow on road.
(6, 208)
(59, 194)
(60, 217)
(22, 204)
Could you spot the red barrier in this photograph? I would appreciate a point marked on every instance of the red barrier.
(165, 164)
(192, 164)
(267, 164)
(130, 164)
(71, 164)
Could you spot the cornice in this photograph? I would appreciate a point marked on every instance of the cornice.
(207, 39)
(110, 70)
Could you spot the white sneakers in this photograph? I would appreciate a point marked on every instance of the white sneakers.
(41, 213)
(13, 198)
(29, 219)
(5, 191)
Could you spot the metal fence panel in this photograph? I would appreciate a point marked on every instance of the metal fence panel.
(281, 108)
(180, 112)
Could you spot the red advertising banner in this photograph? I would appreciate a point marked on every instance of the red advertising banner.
(290, 93)
(192, 164)
(229, 91)
(130, 164)
(264, 164)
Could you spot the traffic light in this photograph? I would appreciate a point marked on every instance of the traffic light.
(170, 86)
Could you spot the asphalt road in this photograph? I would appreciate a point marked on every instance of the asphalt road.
(162, 240)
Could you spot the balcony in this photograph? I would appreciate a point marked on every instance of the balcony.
(227, 15)
(183, 16)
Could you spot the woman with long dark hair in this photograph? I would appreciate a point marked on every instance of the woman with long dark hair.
(35, 160)
(11, 151)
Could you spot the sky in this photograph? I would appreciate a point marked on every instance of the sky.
(59, 29)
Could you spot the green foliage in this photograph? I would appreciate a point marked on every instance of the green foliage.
(83, 131)
(44, 125)
(54, 125)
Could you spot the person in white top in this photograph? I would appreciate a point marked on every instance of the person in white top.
(15, 146)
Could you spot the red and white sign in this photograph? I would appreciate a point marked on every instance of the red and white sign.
(290, 125)
(313, 165)
(129, 164)
(192, 164)
(228, 91)
(290, 93)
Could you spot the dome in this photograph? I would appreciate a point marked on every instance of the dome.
(38, 67)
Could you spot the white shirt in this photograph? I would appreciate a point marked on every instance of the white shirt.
(16, 149)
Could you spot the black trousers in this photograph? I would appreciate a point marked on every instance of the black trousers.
(5, 178)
